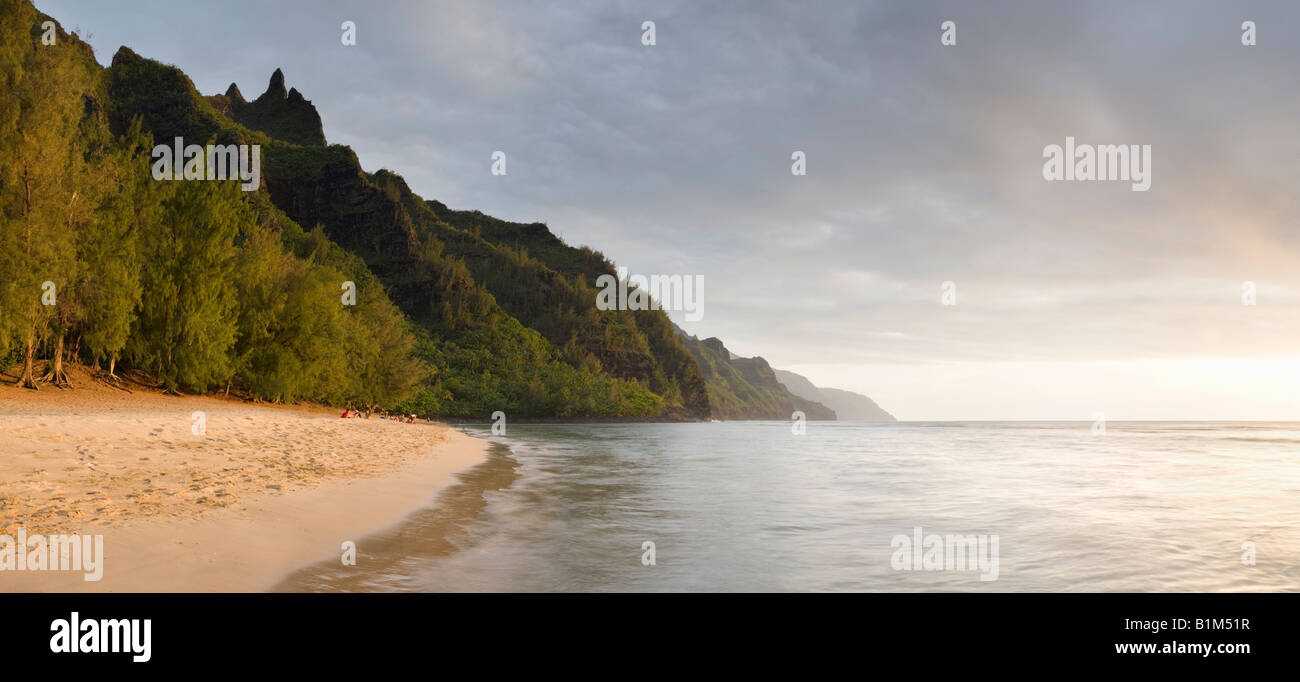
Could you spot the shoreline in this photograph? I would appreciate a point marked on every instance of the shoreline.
(262, 493)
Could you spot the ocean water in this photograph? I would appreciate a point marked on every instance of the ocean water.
(749, 506)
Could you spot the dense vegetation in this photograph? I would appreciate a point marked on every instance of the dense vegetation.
(206, 287)
(198, 284)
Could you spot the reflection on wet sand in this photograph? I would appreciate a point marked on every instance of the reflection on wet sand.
(427, 535)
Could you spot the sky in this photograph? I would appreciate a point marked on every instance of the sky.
(924, 166)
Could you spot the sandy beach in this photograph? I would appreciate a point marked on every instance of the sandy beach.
(255, 493)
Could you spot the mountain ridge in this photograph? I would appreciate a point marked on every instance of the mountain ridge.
(747, 388)
(847, 404)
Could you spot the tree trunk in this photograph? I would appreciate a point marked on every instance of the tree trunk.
(55, 374)
(26, 380)
(60, 377)
(112, 364)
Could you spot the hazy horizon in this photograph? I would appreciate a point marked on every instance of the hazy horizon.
(924, 166)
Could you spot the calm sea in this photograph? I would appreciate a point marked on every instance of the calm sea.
(749, 506)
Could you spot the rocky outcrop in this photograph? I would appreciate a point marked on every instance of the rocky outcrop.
(283, 115)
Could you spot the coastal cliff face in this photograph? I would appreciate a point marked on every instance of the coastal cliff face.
(848, 406)
(557, 299)
(746, 388)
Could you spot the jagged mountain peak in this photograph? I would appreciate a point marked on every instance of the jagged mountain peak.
(124, 54)
(283, 114)
(275, 89)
